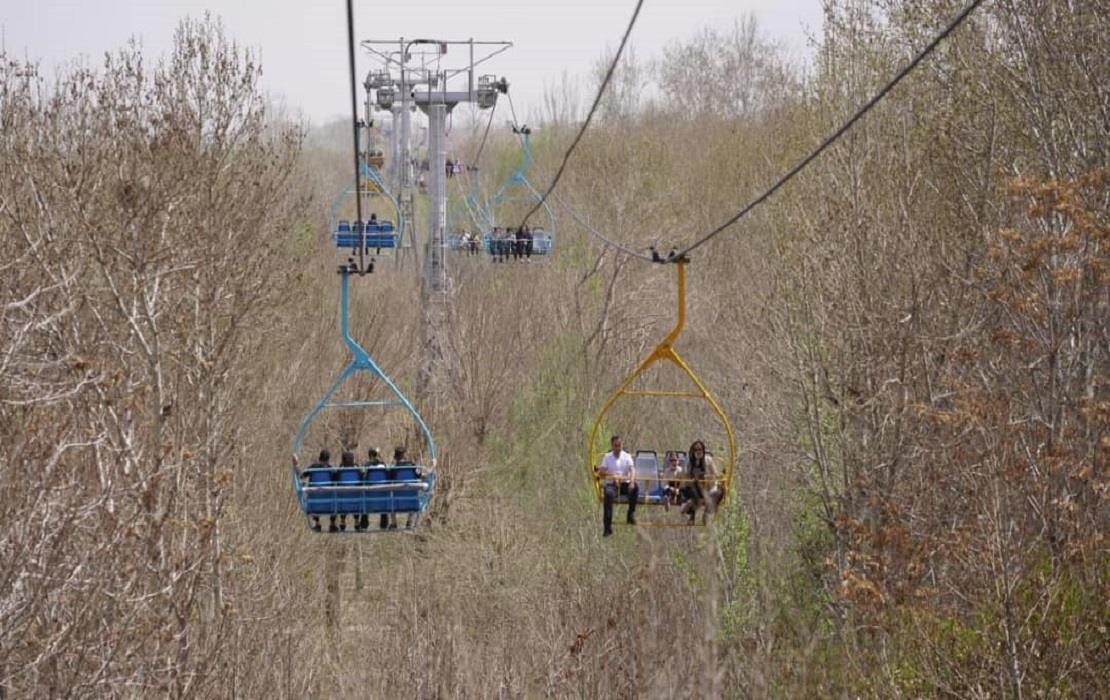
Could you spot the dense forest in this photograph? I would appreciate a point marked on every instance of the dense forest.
(911, 340)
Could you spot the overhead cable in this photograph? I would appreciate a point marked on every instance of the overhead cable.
(354, 120)
(598, 234)
(512, 110)
(906, 70)
(590, 115)
(482, 146)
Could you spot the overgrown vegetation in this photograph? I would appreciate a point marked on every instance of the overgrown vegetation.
(911, 339)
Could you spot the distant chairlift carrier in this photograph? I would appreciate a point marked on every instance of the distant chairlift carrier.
(377, 237)
(543, 237)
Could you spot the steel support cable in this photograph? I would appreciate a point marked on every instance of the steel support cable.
(598, 234)
(589, 115)
(485, 134)
(472, 167)
(512, 110)
(829, 140)
(354, 122)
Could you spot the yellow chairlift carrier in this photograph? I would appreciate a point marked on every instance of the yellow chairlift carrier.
(652, 484)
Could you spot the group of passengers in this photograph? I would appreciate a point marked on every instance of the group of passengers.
(469, 242)
(454, 168)
(361, 522)
(505, 242)
(695, 486)
(370, 223)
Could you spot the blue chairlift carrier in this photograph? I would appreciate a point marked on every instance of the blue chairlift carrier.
(363, 490)
(378, 236)
(543, 240)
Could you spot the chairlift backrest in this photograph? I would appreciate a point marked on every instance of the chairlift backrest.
(649, 476)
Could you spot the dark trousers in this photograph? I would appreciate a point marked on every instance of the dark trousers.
(609, 493)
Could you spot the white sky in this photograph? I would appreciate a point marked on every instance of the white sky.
(303, 44)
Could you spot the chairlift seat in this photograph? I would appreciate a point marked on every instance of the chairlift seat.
(366, 490)
(646, 471)
(372, 235)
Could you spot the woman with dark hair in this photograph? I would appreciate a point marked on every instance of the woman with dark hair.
(671, 471)
(702, 490)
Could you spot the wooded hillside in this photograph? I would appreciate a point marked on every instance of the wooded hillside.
(911, 340)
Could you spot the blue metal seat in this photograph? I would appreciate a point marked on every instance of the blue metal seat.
(541, 243)
(648, 475)
(372, 235)
(406, 498)
(350, 498)
(380, 240)
(346, 491)
(319, 502)
(376, 500)
(346, 236)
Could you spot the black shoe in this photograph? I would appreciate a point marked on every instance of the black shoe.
(606, 533)
(315, 527)
(393, 526)
(333, 528)
(631, 520)
(384, 522)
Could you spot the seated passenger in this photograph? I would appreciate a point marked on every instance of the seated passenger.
(518, 244)
(400, 460)
(619, 472)
(373, 460)
(346, 460)
(703, 490)
(528, 245)
(496, 242)
(324, 462)
(390, 519)
(671, 471)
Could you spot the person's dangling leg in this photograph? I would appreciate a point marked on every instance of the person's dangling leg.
(633, 498)
(609, 494)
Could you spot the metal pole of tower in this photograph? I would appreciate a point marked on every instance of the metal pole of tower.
(395, 150)
(434, 290)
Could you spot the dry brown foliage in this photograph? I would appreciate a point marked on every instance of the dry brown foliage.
(911, 340)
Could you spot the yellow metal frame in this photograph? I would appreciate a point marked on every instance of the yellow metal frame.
(665, 351)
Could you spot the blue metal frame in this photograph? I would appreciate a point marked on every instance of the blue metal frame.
(474, 210)
(360, 362)
(519, 179)
(372, 175)
(478, 214)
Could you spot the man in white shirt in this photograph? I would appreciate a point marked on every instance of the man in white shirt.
(620, 471)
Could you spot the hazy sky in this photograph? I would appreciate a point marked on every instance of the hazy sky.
(303, 44)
